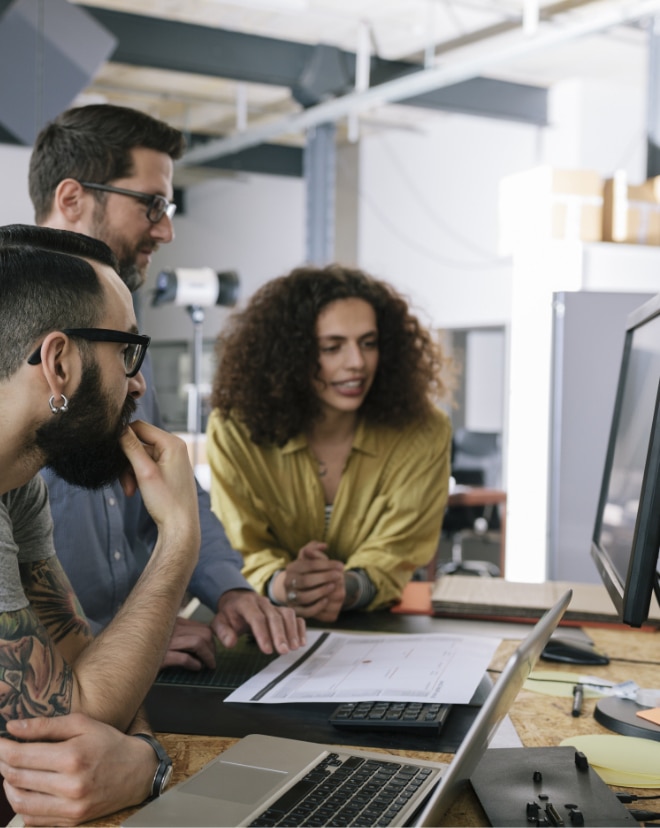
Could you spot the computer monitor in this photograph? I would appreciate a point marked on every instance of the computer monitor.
(627, 528)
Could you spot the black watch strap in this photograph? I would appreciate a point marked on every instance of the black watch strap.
(164, 769)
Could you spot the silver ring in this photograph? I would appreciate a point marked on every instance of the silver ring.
(291, 596)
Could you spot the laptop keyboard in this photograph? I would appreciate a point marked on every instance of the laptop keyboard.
(380, 715)
(347, 790)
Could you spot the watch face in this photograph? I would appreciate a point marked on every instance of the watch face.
(166, 779)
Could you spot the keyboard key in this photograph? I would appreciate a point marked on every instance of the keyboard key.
(352, 791)
(390, 716)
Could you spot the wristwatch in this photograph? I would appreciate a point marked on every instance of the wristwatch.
(164, 769)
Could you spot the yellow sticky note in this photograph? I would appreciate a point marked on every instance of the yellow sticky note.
(556, 683)
(621, 760)
(651, 714)
(626, 780)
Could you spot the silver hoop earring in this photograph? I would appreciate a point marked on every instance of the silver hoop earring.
(64, 407)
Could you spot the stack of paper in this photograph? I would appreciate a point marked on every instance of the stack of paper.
(469, 596)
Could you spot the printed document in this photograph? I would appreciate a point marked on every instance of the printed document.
(338, 667)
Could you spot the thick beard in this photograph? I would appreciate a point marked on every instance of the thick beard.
(131, 275)
(129, 272)
(81, 445)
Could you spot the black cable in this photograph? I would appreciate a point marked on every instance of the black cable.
(634, 661)
(624, 797)
(559, 681)
(612, 658)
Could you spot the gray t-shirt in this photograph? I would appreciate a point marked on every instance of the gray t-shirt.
(26, 534)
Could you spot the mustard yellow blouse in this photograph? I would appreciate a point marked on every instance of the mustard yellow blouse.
(386, 517)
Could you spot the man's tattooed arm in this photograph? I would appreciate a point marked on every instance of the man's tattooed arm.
(34, 678)
(52, 598)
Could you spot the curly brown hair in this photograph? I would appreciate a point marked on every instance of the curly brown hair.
(268, 355)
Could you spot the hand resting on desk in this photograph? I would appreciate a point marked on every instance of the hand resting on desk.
(191, 646)
(76, 770)
(275, 629)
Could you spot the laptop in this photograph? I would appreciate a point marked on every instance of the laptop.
(266, 780)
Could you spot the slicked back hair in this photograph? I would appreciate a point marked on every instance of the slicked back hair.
(59, 241)
(94, 143)
(45, 288)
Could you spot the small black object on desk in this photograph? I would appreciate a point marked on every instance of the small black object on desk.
(571, 650)
(552, 786)
(578, 697)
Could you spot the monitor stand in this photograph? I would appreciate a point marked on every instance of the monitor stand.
(620, 716)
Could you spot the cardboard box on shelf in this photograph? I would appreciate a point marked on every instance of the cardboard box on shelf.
(546, 203)
(631, 212)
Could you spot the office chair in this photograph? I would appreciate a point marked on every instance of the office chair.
(476, 461)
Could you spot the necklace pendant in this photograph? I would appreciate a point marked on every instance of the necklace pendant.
(323, 468)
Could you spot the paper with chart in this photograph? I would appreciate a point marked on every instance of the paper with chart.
(338, 667)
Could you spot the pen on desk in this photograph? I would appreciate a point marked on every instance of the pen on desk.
(578, 695)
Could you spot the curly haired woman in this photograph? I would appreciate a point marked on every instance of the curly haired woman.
(329, 459)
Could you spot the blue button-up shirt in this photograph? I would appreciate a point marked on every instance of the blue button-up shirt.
(104, 538)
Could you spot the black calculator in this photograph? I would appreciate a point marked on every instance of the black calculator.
(383, 715)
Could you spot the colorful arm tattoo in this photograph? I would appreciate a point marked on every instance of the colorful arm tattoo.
(34, 678)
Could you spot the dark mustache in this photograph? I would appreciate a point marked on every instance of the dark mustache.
(127, 412)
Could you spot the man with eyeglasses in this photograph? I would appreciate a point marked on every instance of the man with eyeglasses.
(70, 379)
(100, 768)
(106, 171)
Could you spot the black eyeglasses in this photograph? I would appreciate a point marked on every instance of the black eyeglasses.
(157, 205)
(133, 355)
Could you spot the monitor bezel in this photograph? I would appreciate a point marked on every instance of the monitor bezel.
(632, 599)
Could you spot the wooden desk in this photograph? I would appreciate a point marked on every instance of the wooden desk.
(540, 720)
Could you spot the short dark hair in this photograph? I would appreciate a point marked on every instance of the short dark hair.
(93, 143)
(269, 352)
(45, 285)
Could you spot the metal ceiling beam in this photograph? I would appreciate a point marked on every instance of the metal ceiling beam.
(270, 159)
(488, 98)
(464, 66)
(203, 50)
(184, 47)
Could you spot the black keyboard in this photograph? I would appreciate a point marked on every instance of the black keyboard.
(233, 667)
(347, 791)
(380, 715)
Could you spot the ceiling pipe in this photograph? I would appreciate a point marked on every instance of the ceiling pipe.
(362, 71)
(531, 17)
(464, 67)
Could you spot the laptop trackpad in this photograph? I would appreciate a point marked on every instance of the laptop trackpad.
(233, 783)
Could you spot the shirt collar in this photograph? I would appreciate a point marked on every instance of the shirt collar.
(366, 441)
